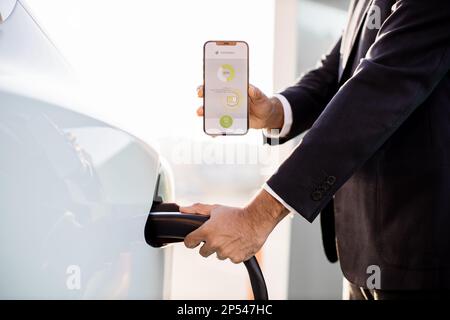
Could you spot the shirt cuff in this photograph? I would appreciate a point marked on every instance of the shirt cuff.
(287, 110)
(276, 196)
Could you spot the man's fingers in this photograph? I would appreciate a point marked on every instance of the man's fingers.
(198, 208)
(200, 95)
(236, 259)
(194, 238)
(200, 91)
(221, 255)
(206, 250)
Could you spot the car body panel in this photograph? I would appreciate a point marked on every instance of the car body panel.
(74, 191)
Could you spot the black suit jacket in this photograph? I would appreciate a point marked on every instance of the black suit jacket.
(378, 113)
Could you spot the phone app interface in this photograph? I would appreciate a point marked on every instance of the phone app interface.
(226, 81)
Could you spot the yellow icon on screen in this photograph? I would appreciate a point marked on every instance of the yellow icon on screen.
(226, 73)
(232, 101)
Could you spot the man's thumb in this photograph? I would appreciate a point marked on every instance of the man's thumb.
(254, 93)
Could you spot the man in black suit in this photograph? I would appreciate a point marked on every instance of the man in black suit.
(376, 158)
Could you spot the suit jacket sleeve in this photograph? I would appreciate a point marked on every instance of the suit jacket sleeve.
(405, 63)
(310, 95)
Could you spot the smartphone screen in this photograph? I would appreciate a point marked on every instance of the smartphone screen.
(225, 96)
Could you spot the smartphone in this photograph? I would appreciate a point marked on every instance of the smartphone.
(225, 94)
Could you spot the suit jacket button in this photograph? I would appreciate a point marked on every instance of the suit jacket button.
(331, 180)
(316, 195)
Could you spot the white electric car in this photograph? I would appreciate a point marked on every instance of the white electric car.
(75, 192)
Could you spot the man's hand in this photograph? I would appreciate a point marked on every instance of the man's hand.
(235, 233)
(264, 112)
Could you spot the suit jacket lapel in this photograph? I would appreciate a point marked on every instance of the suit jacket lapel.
(358, 11)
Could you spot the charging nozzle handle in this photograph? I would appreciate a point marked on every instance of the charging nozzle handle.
(163, 228)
